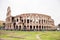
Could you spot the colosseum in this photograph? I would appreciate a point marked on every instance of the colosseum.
(28, 21)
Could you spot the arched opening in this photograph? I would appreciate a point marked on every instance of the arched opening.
(27, 27)
(30, 27)
(27, 20)
(17, 19)
(42, 21)
(42, 27)
(33, 27)
(16, 27)
(36, 27)
(22, 20)
(24, 28)
(39, 27)
(12, 19)
(19, 27)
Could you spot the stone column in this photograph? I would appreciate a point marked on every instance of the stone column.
(43, 27)
(41, 24)
(18, 26)
(29, 24)
(38, 27)
(35, 27)
(6, 27)
(12, 26)
(32, 27)
(18, 19)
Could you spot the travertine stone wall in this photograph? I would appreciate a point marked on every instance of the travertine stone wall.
(30, 21)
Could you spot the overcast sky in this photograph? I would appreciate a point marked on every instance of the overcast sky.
(48, 7)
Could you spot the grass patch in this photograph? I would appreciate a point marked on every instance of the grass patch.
(30, 35)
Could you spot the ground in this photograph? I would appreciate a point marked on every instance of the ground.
(29, 35)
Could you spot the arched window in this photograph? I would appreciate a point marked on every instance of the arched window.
(27, 20)
(24, 28)
(39, 27)
(30, 20)
(42, 21)
(36, 26)
(30, 27)
(19, 27)
(16, 27)
(22, 20)
(12, 19)
(17, 19)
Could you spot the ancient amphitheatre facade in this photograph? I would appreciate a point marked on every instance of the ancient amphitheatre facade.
(28, 21)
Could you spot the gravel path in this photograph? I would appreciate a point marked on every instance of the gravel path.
(38, 37)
